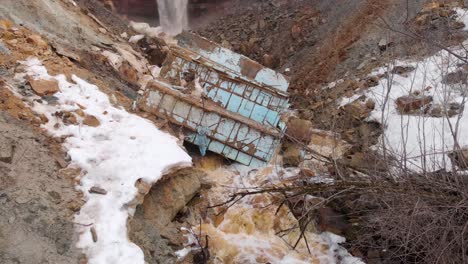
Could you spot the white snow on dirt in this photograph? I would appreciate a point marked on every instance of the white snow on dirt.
(124, 148)
(420, 141)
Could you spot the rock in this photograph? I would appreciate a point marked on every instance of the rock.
(270, 61)
(74, 206)
(7, 150)
(458, 77)
(97, 190)
(411, 104)
(93, 234)
(368, 160)
(68, 118)
(300, 130)
(293, 156)
(91, 121)
(328, 144)
(439, 110)
(460, 158)
(370, 104)
(296, 32)
(401, 70)
(37, 41)
(170, 195)
(44, 87)
(128, 73)
(383, 45)
(56, 197)
(358, 110)
(371, 81)
(308, 172)
(226, 44)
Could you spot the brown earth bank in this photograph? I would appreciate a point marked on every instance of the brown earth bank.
(313, 42)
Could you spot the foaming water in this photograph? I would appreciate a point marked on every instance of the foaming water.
(173, 16)
(255, 231)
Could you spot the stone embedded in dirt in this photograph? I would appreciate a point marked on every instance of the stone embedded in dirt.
(371, 81)
(128, 73)
(459, 158)
(293, 156)
(370, 104)
(270, 61)
(37, 41)
(43, 87)
(439, 110)
(328, 144)
(97, 190)
(358, 110)
(401, 70)
(458, 77)
(300, 129)
(74, 205)
(384, 44)
(91, 121)
(296, 32)
(411, 104)
(7, 150)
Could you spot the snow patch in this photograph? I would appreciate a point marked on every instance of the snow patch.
(124, 148)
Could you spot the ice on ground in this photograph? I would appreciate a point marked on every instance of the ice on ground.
(123, 149)
(421, 142)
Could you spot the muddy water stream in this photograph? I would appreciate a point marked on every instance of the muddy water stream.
(255, 229)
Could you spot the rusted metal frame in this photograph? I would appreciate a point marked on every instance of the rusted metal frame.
(217, 109)
(203, 66)
(174, 121)
(193, 56)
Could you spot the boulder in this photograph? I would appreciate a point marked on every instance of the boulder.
(412, 104)
(358, 110)
(167, 197)
(43, 87)
(300, 129)
(293, 156)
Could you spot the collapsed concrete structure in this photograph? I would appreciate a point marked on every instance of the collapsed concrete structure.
(238, 113)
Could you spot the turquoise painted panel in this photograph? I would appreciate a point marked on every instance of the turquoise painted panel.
(246, 108)
(259, 113)
(222, 97)
(239, 89)
(234, 103)
(254, 95)
(271, 118)
(216, 147)
(230, 153)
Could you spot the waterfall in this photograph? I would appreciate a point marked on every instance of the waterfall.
(173, 16)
